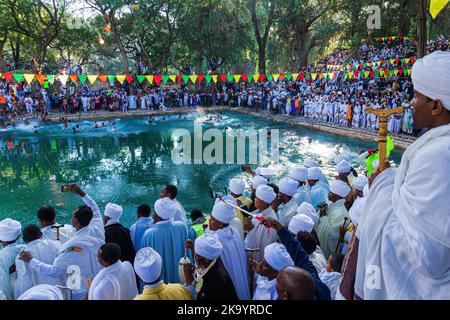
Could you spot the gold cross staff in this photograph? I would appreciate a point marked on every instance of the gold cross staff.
(383, 116)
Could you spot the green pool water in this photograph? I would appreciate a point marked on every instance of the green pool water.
(129, 165)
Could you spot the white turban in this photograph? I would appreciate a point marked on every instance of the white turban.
(265, 172)
(208, 246)
(288, 186)
(340, 188)
(356, 210)
(9, 230)
(431, 77)
(311, 163)
(314, 173)
(258, 181)
(42, 292)
(222, 211)
(301, 222)
(343, 167)
(307, 209)
(360, 182)
(148, 264)
(165, 208)
(277, 256)
(299, 174)
(237, 186)
(265, 193)
(113, 211)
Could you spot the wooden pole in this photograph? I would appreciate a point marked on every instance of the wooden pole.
(383, 116)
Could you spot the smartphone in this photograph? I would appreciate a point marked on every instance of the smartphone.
(65, 188)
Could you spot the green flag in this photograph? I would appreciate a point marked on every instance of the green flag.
(165, 78)
(230, 78)
(140, 78)
(18, 76)
(82, 78)
(208, 79)
(185, 78)
(51, 78)
(269, 77)
(288, 76)
(370, 159)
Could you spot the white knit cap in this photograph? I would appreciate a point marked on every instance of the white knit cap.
(343, 167)
(165, 208)
(360, 182)
(299, 174)
(148, 264)
(258, 181)
(288, 186)
(9, 230)
(208, 246)
(314, 173)
(340, 188)
(237, 186)
(222, 211)
(277, 256)
(300, 222)
(265, 193)
(113, 211)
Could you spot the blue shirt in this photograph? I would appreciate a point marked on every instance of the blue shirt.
(138, 229)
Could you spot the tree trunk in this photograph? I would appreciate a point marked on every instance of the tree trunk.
(200, 43)
(116, 35)
(262, 58)
(421, 29)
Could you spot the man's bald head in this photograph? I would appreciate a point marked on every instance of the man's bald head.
(294, 283)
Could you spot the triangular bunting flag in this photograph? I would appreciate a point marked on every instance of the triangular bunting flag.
(378, 63)
(372, 73)
(208, 79)
(92, 78)
(282, 76)
(73, 78)
(400, 72)
(301, 75)
(255, 77)
(320, 75)
(81, 77)
(120, 78)
(150, 78)
(18, 76)
(288, 76)
(129, 78)
(41, 78)
(8, 76)
(230, 78)
(200, 78)
(193, 78)
(29, 77)
(275, 77)
(214, 78)
(179, 78)
(366, 74)
(350, 75)
(165, 78)
(140, 78)
(413, 59)
(356, 74)
(391, 73)
(262, 77)
(269, 77)
(102, 78)
(395, 71)
(63, 78)
(244, 77)
(223, 78)
(295, 76)
(345, 75)
(237, 77)
(173, 78)
(314, 76)
(185, 78)
(392, 61)
(157, 79)
(407, 60)
(330, 75)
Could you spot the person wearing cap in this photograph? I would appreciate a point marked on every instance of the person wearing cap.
(42, 249)
(9, 234)
(300, 174)
(116, 233)
(345, 172)
(167, 237)
(144, 222)
(256, 182)
(413, 200)
(170, 191)
(209, 280)
(148, 267)
(287, 205)
(47, 220)
(237, 188)
(198, 224)
(259, 236)
(275, 258)
(116, 281)
(319, 192)
(80, 250)
(233, 249)
(328, 226)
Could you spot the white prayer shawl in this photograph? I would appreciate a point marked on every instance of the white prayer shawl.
(287, 211)
(260, 236)
(45, 251)
(332, 280)
(42, 292)
(318, 260)
(7, 258)
(408, 239)
(303, 194)
(327, 228)
(64, 233)
(235, 260)
(265, 289)
(116, 282)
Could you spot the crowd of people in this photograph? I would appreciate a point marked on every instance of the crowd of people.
(297, 237)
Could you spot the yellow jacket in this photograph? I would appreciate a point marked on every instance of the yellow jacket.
(165, 292)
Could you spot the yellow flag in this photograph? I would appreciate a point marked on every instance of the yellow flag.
(193, 78)
(237, 77)
(314, 76)
(63, 78)
(29, 77)
(173, 77)
(214, 78)
(392, 61)
(378, 63)
(330, 75)
(149, 79)
(295, 76)
(121, 78)
(256, 77)
(436, 6)
(395, 71)
(407, 60)
(275, 77)
(92, 78)
(366, 73)
(350, 75)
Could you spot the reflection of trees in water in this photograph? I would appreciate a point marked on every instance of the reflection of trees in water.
(32, 162)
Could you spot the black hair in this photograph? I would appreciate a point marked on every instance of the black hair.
(307, 241)
(84, 215)
(195, 214)
(144, 210)
(172, 190)
(336, 260)
(274, 187)
(31, 233)
(46, 213)
(110, 253)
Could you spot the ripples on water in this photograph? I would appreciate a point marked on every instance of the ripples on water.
(129, 162)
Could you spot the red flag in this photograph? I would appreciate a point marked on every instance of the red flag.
(8, 76)
(282, 76)
(301, 75)
(200, 78)
(383, 61)
(412, 60)
(41, 78)
(397, 60)
(371, 73)
(244, 77)
(179, 78)
(102, 78)
(356, 74)
(262, 77)
(157, 79)
(400, 72)
(129, 78)
(223, 78)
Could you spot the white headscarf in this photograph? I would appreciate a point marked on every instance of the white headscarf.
(340, 188)
(307, 209)
(288, 186)
(300, 222)
(299, 174)
(360, 182)
(343, 167)
(237, 186)
(42, 292)
(9, 229)
(113, 211)
(165, 208)
(314, 173)
(222, 211)
(258, 181)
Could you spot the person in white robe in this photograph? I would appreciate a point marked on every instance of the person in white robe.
(77, 261)
(300, 174)
(319, 192)
(328, 226)
(50, 229)
(405, 227)
(237, 188)
(344, 170)
(42, 292)
(260, 236)
(116, 281)
(233, 249)
(171, 192)
(9, 234)
(42, 249)
(275, 258)
(331, 274)
(287, 205)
